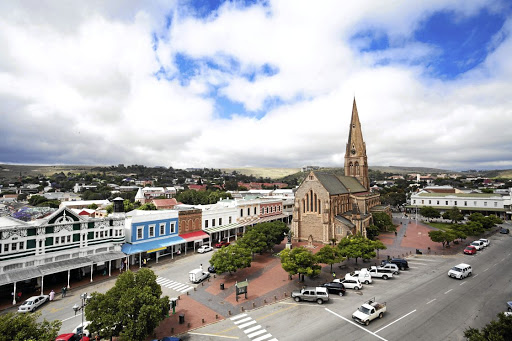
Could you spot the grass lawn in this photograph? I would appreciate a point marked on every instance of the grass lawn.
(442, 226)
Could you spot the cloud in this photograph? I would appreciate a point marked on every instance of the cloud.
(117, 82)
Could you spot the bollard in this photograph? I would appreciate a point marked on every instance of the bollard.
(265, 301)
(253, 304)
(208, 279)
(202, 284)
(242, 308)
(188, 325)
(216, 316)
(179, 297)
(214, 276)
(202, 320)
(275, 298)
(187, 292)
(229, 312)
(194, 289)
(182, 318)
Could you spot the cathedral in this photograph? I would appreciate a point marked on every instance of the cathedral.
(330, 206)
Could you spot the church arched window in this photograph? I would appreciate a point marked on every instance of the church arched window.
(357, 168)
(316, 204)
(319, 206)
(351, 168)
(311, 200)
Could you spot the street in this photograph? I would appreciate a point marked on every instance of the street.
(423, 303)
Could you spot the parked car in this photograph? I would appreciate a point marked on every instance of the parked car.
(221, 244)
(71, 337)
(389, 266)
(486, 242)
(478, 244)
(31, 304)
(460, 271)
(369, 311)
(211, 269)
(401, 263)
(504, 231)
(335, 288)
(204, 248)
(509, 305)
(363, 275)
(470, 250)
(314, 294)
(379, 273)
(168, 338)
(350, 283)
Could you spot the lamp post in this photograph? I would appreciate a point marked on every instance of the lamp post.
(416, 214)
(84, 298)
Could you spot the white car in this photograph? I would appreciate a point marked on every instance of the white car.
(350, 283)
(204, 248)
(478, 244)
(486, 242)
(31, 304)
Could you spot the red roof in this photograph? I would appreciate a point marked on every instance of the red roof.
(189, 237)
(165, 202)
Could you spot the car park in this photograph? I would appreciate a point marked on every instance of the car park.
(71, 337)
(460, 271)
(478, 244)
(221, 244)
(504, 231)
(485, 241)
(401, 263)
(335, 288)
(32, 303)
(470, 250)
(314, 294)
(204, 248)
(350, 283)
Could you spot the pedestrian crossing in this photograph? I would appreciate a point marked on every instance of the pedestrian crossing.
(253, 331)
(176, 286)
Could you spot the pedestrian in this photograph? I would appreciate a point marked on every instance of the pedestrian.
(144, 262)
(122, 266)
(63, 291)
(396, 233)
(52, 295)
(334, 275)
(19, 296)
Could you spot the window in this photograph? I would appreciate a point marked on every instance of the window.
(455, 202)
(139, 232)
(485, 203)
(311, 177)
(151, 231)
(248, 211)
(414, 201)
(6, 247)
(438, 202)
(162, 229)
(172, 228)
(230, 220)
(495, 204)
(213, 222)
(474, 203)
(241, 212)
(429, 202)
(465, 203)
(422, 202)
(446, 202)
(57, 240)
(254, 210)
(220, 221)
(22, 245)
(13, 247)
(63, 239)
(206, 223)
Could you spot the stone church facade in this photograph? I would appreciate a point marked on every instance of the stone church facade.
(331, 206)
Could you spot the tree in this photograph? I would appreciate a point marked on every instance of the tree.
(357, 246)
(383, 221)
(372, 231)
(437, 236)
(329, 255)
(299, 261)
(231, 258)
(132, 309)
(429, 212)
(496, 330)
(36, 200)
(92, 206)
(21, 327)
(148, 207)
(454, 215)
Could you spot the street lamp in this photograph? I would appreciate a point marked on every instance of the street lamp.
(84, 298)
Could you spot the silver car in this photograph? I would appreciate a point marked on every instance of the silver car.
(31, 304)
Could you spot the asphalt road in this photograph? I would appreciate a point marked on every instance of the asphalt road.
(423, 303)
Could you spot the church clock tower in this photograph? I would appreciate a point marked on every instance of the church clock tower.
(356, 163)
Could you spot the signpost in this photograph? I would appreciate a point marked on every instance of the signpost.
(241, 288)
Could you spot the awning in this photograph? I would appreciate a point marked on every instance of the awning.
(198, 235)
(105, 257)
(266, 219)
(65, 265)
(151, 246)
(221, 228)
(19, 275)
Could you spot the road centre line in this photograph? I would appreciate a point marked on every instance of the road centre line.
(462, 283)
(448, 291)
(355, 324)
(69, 318)
(216, 335)
(475, 275)
(431, 301)
(396, 320)
(486, 269)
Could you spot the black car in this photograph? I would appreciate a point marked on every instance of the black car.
(401, 263)
(211, 269)
(335, 288)
(504, 230)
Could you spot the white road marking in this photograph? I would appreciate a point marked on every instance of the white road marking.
(448, 291)
(216, 335)
(263, 337)
(355, 324)
(431, 301)
(69, 318)
(243, 320)
(250, 330)
(396, 320)
(475, 275)
(462, 283)
(486, 269)
(259, 332)
(242, 326)
(238, 317)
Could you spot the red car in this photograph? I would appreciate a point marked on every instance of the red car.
(470, 250)
(71, 337)
(221, 244)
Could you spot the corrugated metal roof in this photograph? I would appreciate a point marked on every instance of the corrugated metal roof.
(331, 183)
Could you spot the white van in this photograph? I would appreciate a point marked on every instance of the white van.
(460, 271)
(363, 275)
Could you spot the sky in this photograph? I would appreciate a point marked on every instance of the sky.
(256, 83)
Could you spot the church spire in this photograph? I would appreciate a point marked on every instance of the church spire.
(356, 163)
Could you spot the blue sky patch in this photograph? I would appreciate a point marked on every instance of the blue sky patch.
(204, 9)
